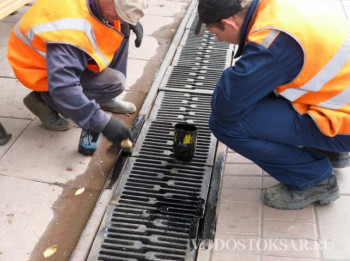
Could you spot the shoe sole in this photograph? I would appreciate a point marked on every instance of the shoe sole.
(321, 199)
(341, 164)
(28, 104)
(116, 111)
(85, 151)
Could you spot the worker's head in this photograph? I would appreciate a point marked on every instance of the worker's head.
(126, 11)
(223, 18)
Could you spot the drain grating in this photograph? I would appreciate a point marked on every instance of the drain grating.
(155, 212)
(157, 143)
(207, 40)
(180, 106)
(190, 79)
(159, 207)
(213, 59)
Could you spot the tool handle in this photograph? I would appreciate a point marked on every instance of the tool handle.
(126, 143)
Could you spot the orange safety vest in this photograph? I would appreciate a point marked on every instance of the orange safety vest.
(322, 88)
(70, 23)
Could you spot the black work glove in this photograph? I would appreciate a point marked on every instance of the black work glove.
(125, 28)
(137, 29)
(116, 131)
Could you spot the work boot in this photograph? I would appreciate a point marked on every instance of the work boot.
(4, 136)
(88, 142)
(337, 159)
(118, 106)
(48, 116)
(282, 197)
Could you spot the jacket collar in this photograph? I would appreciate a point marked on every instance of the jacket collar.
(245, 27)
(94, 9)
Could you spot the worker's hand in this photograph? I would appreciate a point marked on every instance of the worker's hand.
(116, 131)
(138, 30)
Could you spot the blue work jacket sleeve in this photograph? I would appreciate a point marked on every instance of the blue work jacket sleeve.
(255, 75)
(65, 65)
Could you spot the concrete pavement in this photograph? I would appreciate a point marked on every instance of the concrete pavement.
(41, 173)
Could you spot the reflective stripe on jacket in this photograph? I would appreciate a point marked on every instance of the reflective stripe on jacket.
(322, 88)
(71, 23)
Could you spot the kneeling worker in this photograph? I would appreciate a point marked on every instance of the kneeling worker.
(73, 55)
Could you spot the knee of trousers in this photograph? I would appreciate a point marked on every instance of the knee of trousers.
(117, 83)
(230, 134)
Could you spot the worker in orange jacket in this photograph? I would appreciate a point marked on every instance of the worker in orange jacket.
(73, 55)
(285, 103)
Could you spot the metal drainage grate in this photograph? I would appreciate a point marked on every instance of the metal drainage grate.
(180, 106)
(207, 40)
(213, 59)
(158, 209)
(190, 79)
(157, 143)
(155, 212)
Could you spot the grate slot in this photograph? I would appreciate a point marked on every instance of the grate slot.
(146, 214)
(186, 79)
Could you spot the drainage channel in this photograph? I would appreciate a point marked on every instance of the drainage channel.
(159, 208)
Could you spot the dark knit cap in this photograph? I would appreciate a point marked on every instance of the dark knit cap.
(212, 11)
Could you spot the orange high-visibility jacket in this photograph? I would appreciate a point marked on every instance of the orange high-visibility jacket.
(322, 88)
(61, 21)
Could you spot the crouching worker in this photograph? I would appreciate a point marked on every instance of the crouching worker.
(73, 55)
(285, 104)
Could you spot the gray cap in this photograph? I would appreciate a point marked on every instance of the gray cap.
(131, 11)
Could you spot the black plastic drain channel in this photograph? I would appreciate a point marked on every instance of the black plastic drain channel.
(158, 211)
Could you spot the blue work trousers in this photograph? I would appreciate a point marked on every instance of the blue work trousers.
(273, 135)
(101, 86)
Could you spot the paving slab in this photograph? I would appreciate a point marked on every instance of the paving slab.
(24, 208)
(11, 99)
(6, 70)
(286, 247)
(15, 127)
(343, 179)
(160, 26)
(5, 29)
(140, 74)
(3, 54)
(45, 156)
(238, 226)
(333, 225)
(289, 229)
(242, 169)
(281, 258)
(226, 256)
(242, 182)
(167, 8)
(306, 214)
(156, 48)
